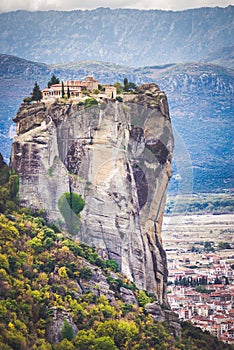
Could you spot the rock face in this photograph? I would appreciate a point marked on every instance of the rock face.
(160, 315)
(117, 156)
(54, 328)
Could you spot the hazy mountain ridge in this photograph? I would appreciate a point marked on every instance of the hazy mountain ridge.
(223, 57)
(15, 67)
(200, 100)
(124, 36)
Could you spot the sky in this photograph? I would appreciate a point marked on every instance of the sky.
(35, 5)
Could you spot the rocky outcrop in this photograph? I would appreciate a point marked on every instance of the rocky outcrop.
(56, 324)
(160, 315)
(117, 156)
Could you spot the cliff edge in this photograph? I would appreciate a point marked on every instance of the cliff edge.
(117, 156)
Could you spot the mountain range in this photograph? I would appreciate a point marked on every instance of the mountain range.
(122, 36)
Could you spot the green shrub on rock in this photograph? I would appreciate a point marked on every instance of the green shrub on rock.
(89, 102)
(67, 331)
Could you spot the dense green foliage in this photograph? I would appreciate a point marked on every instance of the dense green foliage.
(41, 270)
(194, 338)
(4, 171)
(9, 185)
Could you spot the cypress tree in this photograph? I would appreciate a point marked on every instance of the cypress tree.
(68, 92)
(36, 94)
(63, 92)
(125, 84)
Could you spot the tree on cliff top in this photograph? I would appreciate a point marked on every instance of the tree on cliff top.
(54, 80)
(129, 86)
(36, 94)
(63, 92)
(68, 92)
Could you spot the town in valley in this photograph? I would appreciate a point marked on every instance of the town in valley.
(200, 259)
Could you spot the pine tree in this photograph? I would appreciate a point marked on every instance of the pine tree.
(36, 94)
(54, 80)
(63, 92)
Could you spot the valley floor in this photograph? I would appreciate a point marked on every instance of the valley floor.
(185, 231)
